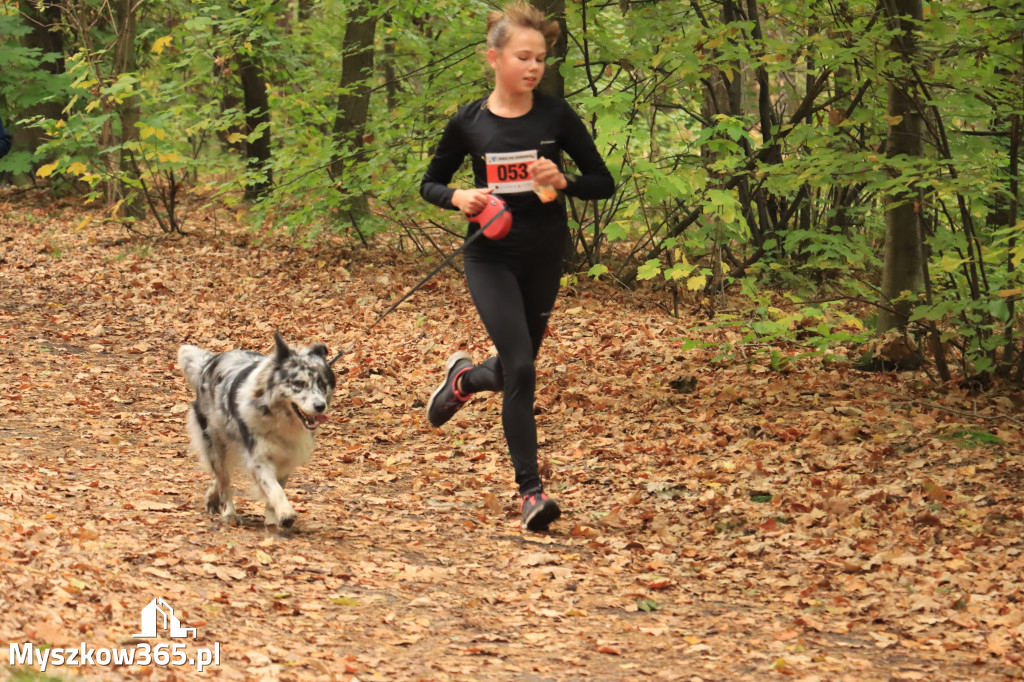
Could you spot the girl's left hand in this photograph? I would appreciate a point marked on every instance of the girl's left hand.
(545, 172)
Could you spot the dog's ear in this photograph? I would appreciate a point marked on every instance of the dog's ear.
(318, 349)
(281, 349)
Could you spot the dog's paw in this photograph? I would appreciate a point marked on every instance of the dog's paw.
(288, 521)
(230, 517)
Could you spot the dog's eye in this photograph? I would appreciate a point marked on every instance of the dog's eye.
(298, 384)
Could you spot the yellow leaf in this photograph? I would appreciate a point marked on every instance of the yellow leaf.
(146, 132)
(696, 282)
(47, 170)
(161, 43)
(172, 156)
(345, 601)
(951, 263)
(85, 221)
(1007, 293)
(235, 138)
(77, 168)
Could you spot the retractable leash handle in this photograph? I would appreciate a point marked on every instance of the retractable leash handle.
(495, 222)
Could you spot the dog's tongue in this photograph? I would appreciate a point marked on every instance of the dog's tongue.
(320, 419)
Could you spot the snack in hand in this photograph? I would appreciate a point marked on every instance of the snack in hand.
(546, 193)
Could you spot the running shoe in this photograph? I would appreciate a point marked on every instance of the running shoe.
(539, 510)
(445, 401)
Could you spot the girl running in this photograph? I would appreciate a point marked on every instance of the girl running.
(514, 138)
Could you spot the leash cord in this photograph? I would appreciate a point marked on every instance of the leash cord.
(426, 279)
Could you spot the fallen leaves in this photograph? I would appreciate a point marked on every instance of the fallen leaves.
(537, 559)
(719, 517)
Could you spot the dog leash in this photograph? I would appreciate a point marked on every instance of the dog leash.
(426, 279)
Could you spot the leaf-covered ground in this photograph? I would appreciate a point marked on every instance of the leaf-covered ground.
(721, 521)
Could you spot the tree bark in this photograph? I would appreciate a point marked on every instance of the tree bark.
(257, 113)
(127, 110)
(902, 270)
(552, 83)
(46, 37)
(354, 100)
(388, 65)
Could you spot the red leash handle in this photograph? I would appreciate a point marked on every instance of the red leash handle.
(495, 220)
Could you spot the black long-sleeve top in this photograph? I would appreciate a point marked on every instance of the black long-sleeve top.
(5, 140)
(500, 148)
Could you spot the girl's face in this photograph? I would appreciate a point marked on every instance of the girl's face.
(519, 65)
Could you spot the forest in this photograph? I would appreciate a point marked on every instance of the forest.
(864, 157)
(778, 400)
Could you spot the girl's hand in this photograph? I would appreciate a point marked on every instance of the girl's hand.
(470, 201)
(545, 172)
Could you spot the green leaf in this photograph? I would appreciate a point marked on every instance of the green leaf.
(616, 231)
(649, 270)
(648, 605)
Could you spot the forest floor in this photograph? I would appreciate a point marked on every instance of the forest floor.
(722, 521)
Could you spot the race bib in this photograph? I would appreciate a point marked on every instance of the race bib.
(506, 171)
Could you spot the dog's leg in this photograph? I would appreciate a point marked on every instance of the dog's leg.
(279, 510)
(212, 499)
(219, 495)
(269, 513)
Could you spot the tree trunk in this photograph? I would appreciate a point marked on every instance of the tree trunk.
(388, 66)
(724, 96)
(354, 100)
(127, 111)
(1010, 350)
(257, 113)
(903, 261)
(552, 83)
(841, 197)
(49, 40)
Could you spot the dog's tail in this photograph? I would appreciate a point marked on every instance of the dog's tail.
(192, 360)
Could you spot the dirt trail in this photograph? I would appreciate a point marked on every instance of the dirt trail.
(818, 524)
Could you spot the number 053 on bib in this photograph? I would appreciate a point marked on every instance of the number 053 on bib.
(507, 171)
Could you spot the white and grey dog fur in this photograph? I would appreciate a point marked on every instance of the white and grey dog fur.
(260, 412)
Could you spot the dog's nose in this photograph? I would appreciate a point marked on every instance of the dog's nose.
(319, 407)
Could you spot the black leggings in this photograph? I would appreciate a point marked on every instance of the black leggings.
(514, 300)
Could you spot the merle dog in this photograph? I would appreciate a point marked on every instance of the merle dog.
(257, 411)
